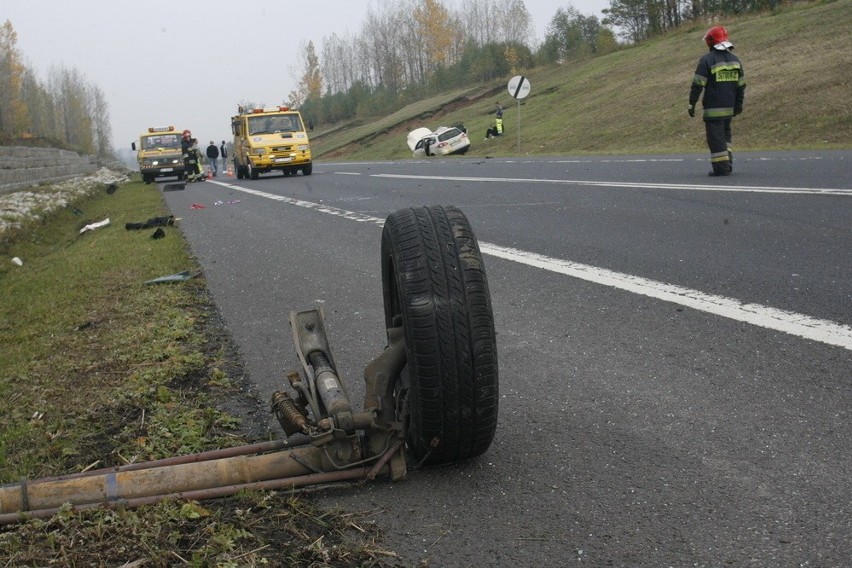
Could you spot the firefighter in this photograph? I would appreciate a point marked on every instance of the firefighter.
(189, 151)
(720, 75)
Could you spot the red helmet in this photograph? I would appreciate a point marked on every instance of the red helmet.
(717, 37)
(187, 133)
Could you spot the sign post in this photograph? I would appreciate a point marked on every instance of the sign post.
(519, 87)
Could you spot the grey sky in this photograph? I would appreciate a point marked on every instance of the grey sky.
(188, 64)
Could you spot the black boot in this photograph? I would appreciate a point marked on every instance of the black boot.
(721, 169)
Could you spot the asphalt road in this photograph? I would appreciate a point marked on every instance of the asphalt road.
(675, 350)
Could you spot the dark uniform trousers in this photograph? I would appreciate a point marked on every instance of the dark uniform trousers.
(719, 142)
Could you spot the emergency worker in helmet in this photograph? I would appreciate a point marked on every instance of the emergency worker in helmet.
(720, 75)
(190, 156)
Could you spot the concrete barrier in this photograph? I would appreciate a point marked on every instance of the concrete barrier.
(22, 167)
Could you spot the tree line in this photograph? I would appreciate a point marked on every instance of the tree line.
(410, 49)
(405, 50)
(66, 111)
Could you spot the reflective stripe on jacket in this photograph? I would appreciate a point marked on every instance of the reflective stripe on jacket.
(720, 75)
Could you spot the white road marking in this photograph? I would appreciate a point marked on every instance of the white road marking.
(639, 185)
(767, 317)
(799, 325)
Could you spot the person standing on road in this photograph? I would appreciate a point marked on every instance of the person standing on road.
(190, 156)
(213, 157)
(720, 75)
(224, 153)
(199, 169)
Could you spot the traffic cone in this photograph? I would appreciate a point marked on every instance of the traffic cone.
(230, 171)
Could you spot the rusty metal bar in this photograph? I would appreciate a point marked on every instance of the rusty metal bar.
(212, 493)
(377, 467)
(113, 486)
(258, 448)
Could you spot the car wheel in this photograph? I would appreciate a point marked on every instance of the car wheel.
(251, 171)
(307, 170)
(434, 286)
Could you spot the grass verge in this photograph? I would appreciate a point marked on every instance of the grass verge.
(633, 101)
(99, 369)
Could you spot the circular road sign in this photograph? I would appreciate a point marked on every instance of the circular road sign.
(519, 86)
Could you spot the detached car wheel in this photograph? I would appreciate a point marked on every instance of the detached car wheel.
(434, 286)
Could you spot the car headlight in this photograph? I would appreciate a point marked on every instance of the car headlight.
(260, 151)
(303, 147)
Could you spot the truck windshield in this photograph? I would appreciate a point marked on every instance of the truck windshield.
(273, 124)
(161, 141)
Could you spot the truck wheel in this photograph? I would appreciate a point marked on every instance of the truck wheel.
(307, 170)
(251, 171)
(434, 286)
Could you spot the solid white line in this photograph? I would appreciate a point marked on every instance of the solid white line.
(793, 323)
(800, 325)
(640, 185)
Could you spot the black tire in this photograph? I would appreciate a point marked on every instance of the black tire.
(434, 285)
(307, 170)
(251, 171)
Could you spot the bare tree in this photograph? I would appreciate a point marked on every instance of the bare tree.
(380, 38)
(514, 21)
(102, 128)
(73, 108)
(40, 105)
(480, 20)
(14, 118)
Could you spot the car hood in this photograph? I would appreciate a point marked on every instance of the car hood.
(416, 136)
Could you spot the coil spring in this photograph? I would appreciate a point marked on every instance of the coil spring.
(288, 414)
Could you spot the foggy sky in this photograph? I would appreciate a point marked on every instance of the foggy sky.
(189, 64)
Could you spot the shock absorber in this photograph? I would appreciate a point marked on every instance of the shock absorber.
(328, 384)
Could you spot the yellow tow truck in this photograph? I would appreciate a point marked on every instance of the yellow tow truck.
(159, 154)
(270, 138)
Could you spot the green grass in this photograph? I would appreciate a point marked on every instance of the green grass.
(88, 347)
(99, 370)
(634, 101)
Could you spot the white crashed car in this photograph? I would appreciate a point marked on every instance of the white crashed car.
(442, 142)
